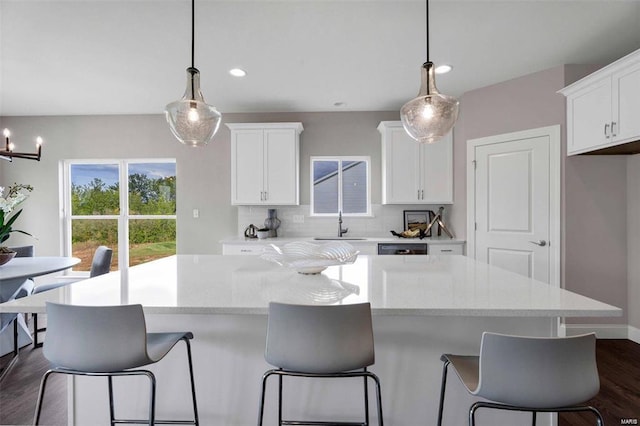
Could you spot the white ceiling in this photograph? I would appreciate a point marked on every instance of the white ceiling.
(60, 57)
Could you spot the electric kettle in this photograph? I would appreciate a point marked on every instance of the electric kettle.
(251, 231)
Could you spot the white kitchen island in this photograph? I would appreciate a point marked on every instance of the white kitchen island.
(423, 306)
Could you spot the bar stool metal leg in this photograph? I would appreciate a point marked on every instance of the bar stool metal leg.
(196, 419)
(366, 401)
(112, 414)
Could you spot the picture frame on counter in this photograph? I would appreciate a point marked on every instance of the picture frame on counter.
(418, 219)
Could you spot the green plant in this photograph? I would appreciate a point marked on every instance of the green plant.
(16, 195)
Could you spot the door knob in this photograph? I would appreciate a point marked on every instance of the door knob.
(540, 243)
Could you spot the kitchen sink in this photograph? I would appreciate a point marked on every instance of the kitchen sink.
(338, 239)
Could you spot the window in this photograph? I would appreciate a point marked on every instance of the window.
(340, 184)
(127, 205)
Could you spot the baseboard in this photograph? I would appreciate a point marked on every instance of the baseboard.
(634, 334)
(603, 331)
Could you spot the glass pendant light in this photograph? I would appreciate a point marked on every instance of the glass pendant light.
(431, 115)
(191, 120)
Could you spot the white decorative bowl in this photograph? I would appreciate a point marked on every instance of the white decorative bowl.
(311, 258)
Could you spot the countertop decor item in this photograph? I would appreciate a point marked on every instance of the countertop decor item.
(272, 223)
(251, 231)
(191, 120)
(8, 154)
(311, 258)
(430, 115)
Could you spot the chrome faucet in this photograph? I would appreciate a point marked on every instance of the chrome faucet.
(341, 231)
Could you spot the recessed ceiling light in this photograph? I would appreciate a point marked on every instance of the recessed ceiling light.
(443, 69)
(237, 72)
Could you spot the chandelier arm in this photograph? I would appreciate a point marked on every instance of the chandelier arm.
(8, 154)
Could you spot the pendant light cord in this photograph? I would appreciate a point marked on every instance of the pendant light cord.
(193, 32)
(427, 20)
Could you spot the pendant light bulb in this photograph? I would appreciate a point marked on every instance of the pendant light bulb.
(191, 120)
(429, 116)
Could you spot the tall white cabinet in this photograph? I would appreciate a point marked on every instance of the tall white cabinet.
(412, 172)
(602, 108)
(265, 160)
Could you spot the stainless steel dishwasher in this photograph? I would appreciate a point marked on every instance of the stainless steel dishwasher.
(402, 248)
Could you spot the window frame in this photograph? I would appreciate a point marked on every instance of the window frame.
(122, 219)
(340, 158)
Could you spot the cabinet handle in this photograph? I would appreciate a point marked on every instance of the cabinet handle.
(418, 194)
(422, 194)
(446, 250)
(265, 195)
(613, 128)
(606, 130)
(261, 196)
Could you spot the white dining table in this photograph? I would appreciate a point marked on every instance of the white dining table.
(12, 276)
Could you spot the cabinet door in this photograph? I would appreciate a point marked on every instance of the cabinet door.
(588, 112)
(247, 167)
(281, 166)
(401, 167)
(626, 104)
(437, 171)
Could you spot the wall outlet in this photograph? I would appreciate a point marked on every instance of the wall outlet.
(298, 218)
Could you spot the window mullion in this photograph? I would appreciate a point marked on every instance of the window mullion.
(123, 231)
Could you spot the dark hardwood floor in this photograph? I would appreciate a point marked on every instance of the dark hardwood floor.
(618, 400)
(619, 397)
(19, 391)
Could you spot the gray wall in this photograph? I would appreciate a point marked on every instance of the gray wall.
(593, 190)
(203, 173)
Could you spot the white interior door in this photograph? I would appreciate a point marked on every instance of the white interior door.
(514, 214)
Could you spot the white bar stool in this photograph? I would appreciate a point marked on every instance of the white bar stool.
(76, 343)
(320, 342)
(532, 374)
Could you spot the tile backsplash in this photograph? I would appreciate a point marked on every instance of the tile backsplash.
(385, 218)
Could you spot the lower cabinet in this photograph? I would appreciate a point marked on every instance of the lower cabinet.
(445, 248)
(248, 249)
(368, 248)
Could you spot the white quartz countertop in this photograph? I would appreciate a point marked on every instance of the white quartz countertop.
(349, 239)
(394, 285)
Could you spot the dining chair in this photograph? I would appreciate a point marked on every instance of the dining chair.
(100, 265)
(7, 319)
(76, 342)
(12, 318)
(320, 342)
(531, 374)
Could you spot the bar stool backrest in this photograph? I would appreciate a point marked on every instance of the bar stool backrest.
(319, 339)
(538, 372)
(101, 263)
(96, 338)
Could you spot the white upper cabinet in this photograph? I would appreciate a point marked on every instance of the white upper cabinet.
(265, 163)
(602, 108)
(415, 173)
